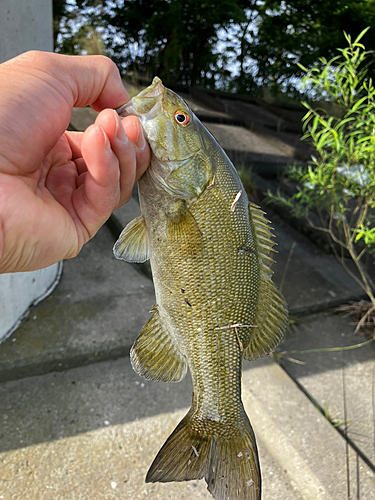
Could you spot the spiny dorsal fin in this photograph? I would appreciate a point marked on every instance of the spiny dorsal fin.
(263, 234)
(271, 317)
(154, 354)
(133, 244)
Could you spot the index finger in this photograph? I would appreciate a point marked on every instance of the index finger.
(94, 81)
(43, 88)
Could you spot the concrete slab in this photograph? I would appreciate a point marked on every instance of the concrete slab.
(262, 120)
(98, 460)
(310, 279)
(83, 117)
(312, 453)
(242, 139)
(92, 432)
(95, 313)
(201, 110)
(341, 382)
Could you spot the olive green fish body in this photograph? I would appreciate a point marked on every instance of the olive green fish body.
(206, 278)
(209, 250)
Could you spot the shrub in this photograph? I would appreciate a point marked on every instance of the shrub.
(338, 184)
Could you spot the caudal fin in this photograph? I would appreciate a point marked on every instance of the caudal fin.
(226, 458)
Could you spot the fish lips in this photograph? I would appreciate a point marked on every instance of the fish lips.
(147, 105)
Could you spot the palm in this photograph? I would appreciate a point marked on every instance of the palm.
(45, 204)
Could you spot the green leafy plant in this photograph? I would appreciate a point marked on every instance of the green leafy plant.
(336, 191)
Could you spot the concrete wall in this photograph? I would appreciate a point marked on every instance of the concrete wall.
(24, 25)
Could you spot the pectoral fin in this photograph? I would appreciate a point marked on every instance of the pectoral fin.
(133, 244)
(154, 354)
(182, 226)
(271, 318)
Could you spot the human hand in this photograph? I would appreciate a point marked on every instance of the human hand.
(57, 188)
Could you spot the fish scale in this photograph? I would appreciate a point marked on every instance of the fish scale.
(215, 300)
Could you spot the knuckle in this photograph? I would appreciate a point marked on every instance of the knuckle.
(35, 57)
(107, 64)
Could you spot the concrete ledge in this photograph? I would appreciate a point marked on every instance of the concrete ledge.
(341, 382)
(312, 453)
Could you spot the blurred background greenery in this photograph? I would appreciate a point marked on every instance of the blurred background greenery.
(247, 47)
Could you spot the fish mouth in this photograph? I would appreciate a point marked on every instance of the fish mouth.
(147, 104)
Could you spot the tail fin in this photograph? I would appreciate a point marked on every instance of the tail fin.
(227, 459)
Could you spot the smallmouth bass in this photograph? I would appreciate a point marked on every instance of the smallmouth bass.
(215, 301)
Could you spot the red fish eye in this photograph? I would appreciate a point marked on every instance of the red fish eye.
(182, 118)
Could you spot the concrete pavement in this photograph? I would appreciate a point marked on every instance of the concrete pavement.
(92, 432)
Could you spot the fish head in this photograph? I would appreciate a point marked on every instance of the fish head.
(167, 121)
(175, 137)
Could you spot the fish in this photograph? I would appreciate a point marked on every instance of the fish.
(216, 303)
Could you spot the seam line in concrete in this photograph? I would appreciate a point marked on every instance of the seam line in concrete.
(340, 431)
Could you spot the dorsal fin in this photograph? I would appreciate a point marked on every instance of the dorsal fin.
(263, 234)
(271, 317)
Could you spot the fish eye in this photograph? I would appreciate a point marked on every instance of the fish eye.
(182, 118)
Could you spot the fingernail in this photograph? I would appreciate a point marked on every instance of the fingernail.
(120, 133)
(141, 141)
(106, 140)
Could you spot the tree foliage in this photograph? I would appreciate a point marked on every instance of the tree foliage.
(303, 31)
(172, 38)
(176, 39)
(240, 45)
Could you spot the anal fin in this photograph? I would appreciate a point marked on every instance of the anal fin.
(154, 354)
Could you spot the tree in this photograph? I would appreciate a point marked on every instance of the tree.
(240, 45)
(78, 26)
(238, 38)
(302, 31)
(60, 12)
(174, 39)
